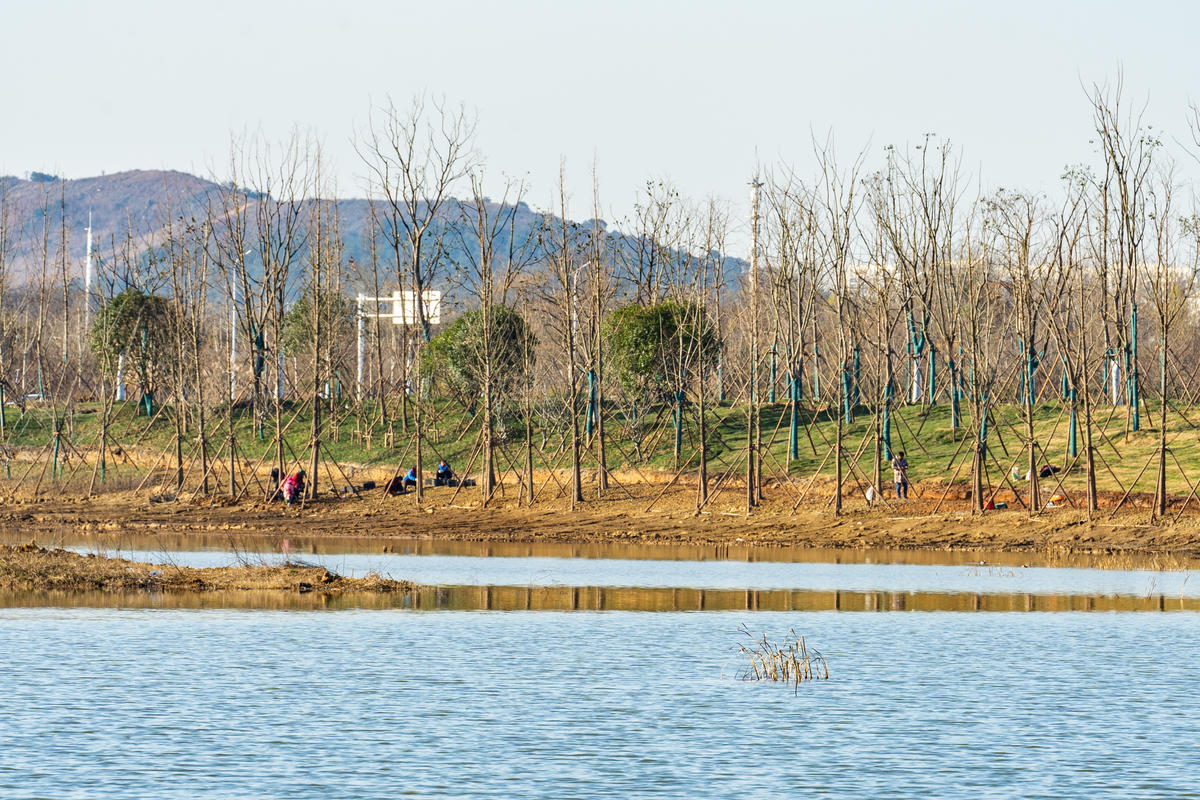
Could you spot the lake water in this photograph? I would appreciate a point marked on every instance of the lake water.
(501, 693)
(711, 567)
(456, 570)
(367, 704)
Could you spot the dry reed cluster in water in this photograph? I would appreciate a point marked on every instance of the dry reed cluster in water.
(789, 661)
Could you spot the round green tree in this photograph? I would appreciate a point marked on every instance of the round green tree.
(463, 355)
(655, 351)
(139, 327)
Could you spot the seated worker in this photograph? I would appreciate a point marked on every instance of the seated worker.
(293, 487)
(410, 478)
(444, 474)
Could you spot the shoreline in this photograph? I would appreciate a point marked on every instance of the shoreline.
(636, 521)
(32, 576)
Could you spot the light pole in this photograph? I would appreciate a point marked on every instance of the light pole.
(233, 345)
(87, 279)
(361, 322)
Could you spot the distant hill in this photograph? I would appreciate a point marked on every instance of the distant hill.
(141, 202)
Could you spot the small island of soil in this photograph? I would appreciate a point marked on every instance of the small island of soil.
(29, 566)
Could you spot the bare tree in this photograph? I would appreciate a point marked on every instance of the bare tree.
(492, 258)
(415, 158)
(1019, 220)
(1064, 301)
(796, 284)
(8, 243)
(1127, 146)
(564, 246)
(837, 202)
(988, 313)
(260, 227)
(1170, 283)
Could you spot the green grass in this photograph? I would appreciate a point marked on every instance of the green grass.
(354, 435)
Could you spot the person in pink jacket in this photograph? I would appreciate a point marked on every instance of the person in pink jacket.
(293, 487)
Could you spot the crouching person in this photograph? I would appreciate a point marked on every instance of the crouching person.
(293, 487)
(410, 479)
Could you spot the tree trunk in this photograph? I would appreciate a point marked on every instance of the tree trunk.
(1160, 488)
(1035, 496)
(837, 456)
(419, 420)
(489, 469)
(573, 402)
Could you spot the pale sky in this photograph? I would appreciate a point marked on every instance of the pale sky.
(691, 91)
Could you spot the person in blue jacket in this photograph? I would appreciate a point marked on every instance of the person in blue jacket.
(444, 474)
(410, 478)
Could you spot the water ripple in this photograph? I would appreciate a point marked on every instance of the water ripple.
(183, 704)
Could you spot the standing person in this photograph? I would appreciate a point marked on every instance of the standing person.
(900, 475)
(293, 487)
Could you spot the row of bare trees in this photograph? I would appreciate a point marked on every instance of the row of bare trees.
(866, 289)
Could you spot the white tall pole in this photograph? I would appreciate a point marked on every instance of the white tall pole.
(87, 278)
(1114, 380)
(361, 350)
(121, 378)
(233, 346)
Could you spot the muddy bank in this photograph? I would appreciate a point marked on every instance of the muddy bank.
(643, 515)
(32, 567)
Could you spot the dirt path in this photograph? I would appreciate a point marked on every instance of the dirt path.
(643, 519)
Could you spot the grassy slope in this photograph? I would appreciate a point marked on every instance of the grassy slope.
(452, 433)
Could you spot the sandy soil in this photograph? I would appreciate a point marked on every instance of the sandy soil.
(645, 514)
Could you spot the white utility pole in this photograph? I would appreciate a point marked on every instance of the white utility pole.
(233, 346)
(361, 348)
(278, 372)
(87, 279)
(121, 378)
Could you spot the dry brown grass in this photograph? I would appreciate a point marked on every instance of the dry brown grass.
(788, 662)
